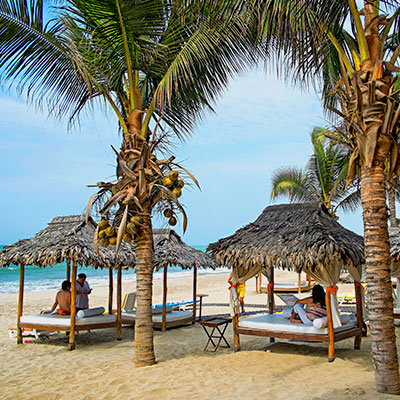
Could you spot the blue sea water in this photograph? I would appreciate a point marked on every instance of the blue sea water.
(51, 277)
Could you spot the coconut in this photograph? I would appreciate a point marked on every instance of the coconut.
(112, 240)
(104, 242)
(168, 213)
(131, 228)
(177, 192)
(103, 224)
(127, 238)
(110, 231)
(180, 184)
(173, 175)
(167, 182)
(172, 221)
(137, 220)
(102, 234)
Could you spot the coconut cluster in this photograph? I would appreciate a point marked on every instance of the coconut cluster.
(173, 183)
(108, 234)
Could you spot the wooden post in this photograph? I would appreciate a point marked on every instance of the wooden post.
(259, 282)
(164, 309)
(236, 339)
(299, 282)
(71, 344)
(119, 305)
(20, 301)
(68, 278)
(331, 333)
(357, 339)
(271, 293)
(194, 294)
(110, 290)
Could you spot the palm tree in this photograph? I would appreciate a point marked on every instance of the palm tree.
(322, 181)
(360, 66)
(157, 65)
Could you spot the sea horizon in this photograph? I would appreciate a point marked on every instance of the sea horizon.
(50, 278)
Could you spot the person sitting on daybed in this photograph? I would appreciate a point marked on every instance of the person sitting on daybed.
(315, 307)
(63, 300)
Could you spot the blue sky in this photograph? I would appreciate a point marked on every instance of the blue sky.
(260, 123)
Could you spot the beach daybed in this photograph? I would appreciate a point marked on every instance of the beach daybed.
(303, 237)
(299, 287)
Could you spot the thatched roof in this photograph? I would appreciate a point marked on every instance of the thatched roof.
(71, 238)
(290, 236)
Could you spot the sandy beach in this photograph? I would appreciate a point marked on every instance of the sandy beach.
(102, 368)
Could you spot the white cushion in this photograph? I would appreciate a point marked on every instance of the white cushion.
(65, 320)
(90, 312)
(158, 310)
(321, 323)
(276, 323)
(287, 312)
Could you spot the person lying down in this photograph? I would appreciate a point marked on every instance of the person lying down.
(310, 308)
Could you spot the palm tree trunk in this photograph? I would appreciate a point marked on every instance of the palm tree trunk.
(379, 293)
(144, 348)
(392, 207)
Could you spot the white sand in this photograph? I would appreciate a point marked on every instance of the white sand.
(102, 368)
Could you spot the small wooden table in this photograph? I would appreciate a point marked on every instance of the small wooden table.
(201, 302)
(217, 323)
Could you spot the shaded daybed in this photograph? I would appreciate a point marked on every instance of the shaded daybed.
(300, 237)
(67, 239)
(299, 287)
(170, 249)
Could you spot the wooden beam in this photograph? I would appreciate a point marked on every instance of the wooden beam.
(20, 302)
(68, 277)
(119, 305)
(299, 280)
(236, 339)
(357, 289)
(71, 344)
(110, 290)
(194, 294)
(259, 282)
(271, 293)
(331, 333)
(165, 290)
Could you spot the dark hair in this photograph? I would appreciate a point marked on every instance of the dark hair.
(66, 285)
(318, 295)
(82, 275)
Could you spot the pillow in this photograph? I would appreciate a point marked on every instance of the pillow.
(90, 312)
(321, 323)
(158, 310)
(287, 313)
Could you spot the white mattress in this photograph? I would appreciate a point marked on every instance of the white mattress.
(65, 320)
(128, 317)
(276, 323)
(396, 310)
(290, 285)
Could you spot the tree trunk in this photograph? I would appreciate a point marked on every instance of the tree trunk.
(392, 206)
(144, 348)
(379, 292)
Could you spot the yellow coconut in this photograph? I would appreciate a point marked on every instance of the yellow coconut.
(172, 221)
(168, 213)
(127, 238)
(110, 231)
(167, 182)
(180, 184)
(137, 220)
(131, 228)
(112, 240)
(104, 242)
(173, 175)
(103, 224)
(177, 192)
(102, 234)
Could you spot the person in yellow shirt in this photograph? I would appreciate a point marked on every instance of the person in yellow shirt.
(241, 291)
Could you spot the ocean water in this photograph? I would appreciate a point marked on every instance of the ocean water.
(51, 277)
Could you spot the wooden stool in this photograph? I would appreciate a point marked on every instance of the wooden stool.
(217, 323)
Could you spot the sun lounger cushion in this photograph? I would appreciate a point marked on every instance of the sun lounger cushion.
(396, 310)
(158, 310)
(321, 323)
(277, 323)
(65, 320)
(129, 317)
(90, 312)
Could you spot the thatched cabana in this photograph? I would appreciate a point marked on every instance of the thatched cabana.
(300, 237)
(70, 239)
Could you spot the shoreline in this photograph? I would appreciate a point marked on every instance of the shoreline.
(284, 370)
